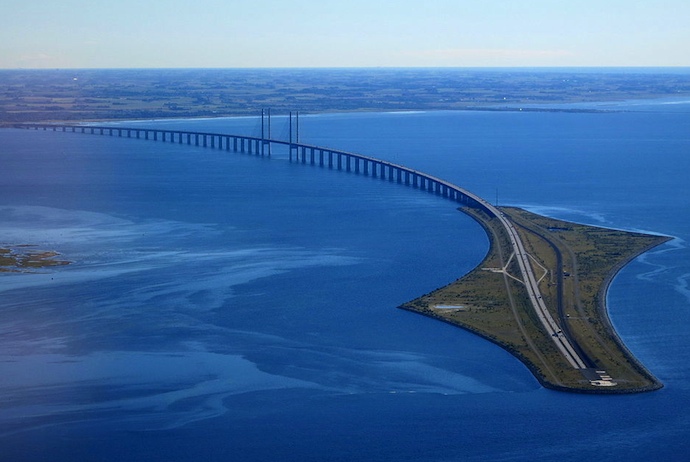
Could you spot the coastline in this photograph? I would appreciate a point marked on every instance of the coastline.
(605, 315)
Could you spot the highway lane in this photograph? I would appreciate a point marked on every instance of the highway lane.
(532, 286)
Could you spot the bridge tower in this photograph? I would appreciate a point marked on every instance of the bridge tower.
(294, 130)
(265, 140)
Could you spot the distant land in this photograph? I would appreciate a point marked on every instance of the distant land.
(108, 94)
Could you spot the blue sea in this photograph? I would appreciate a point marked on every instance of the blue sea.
(227, 307)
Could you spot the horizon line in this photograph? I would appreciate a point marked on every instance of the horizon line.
(632, 67)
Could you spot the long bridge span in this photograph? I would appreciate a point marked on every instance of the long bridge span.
(359, 164)
(298, 152)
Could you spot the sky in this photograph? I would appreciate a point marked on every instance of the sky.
(342, 33)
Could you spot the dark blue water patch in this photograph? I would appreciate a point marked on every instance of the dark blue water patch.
(380, 427)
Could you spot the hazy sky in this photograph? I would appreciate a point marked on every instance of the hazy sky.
(343, 33)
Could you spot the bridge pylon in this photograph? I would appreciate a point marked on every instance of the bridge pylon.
(294, 130)
(266, 140)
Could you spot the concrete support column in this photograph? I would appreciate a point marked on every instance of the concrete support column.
(330, 159)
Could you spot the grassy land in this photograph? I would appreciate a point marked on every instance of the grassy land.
(100, 94)
(25, 258)
(577, 263)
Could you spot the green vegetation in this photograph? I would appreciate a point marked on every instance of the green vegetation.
(577, 263)
(26, 258)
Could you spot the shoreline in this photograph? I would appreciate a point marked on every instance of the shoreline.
(605, 314)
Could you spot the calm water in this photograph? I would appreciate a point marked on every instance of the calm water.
(226, 307)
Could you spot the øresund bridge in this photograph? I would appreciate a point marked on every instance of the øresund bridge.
(359, 164)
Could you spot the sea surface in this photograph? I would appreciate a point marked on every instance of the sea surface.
(227, 307)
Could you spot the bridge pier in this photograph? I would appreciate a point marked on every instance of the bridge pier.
(362, 164)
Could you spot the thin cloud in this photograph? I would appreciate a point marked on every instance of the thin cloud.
(38, 60)
(489, 53)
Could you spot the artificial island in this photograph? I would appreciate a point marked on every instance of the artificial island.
(561, 331)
